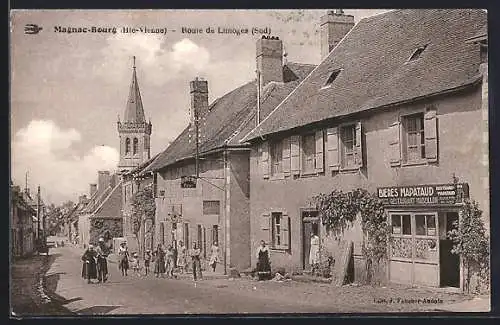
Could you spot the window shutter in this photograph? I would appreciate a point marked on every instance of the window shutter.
(332, 141)
(285, 232)
(264, 160)
(394, 147)
(286, 156)
(265, 226)
(430, 133)
(295, 154)
(320, 166)
(359, 144)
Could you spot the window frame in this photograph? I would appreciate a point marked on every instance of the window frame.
(342, 146)
(419, 118)
(272, 158)
(275, 231)
(210, 202)
(127, 146)
(302, 154)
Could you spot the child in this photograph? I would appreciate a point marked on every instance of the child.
(134, 262)
(147, 261)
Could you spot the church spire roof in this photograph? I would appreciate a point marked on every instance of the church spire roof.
(134, 111)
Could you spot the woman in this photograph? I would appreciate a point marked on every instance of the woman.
(181, 257)
(263, 263)
(159, 261)
(89, 268)
(214, 256)
(169, 264)
(314, 253)
(124, 256)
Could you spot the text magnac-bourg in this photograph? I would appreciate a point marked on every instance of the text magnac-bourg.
(109, 30)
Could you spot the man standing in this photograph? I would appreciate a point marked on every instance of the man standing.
(102, 263)
(195, 258)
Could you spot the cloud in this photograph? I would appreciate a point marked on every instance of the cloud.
(153, 56)
(46, 151)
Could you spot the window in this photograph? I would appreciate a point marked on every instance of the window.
(401, 224)
(308, 153)
(348, 142)
(425, 225)
(211, 207)
(418, 52)
(332, 77)
(186, 235)
(215, 233)
(136, 144)
(127, 146)
(413, 138)
(276, 157)
(276, 230)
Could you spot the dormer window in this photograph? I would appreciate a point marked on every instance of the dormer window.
(418, 52)
(332, 77)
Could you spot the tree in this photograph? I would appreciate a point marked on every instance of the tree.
(143, 209)
(471, 243)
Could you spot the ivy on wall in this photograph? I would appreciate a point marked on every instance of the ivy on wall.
(338, 211)
(143, 208)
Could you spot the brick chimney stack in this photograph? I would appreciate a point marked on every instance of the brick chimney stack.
(103, 180)
(199, 98)
(334, 26)
(269, 60)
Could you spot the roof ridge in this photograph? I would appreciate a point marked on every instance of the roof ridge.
(300, 84)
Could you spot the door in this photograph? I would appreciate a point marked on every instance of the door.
(310, 225)
(450, 263)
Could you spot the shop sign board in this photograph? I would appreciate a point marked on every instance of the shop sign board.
(432, 194)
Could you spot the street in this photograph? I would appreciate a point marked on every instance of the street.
(215, 295)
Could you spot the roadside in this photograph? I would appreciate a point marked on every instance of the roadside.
(27, 295)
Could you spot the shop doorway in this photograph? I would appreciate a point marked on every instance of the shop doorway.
(310, 225)
(449, 263)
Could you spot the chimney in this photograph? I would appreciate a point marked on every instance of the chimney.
(103, 179)
(82, 199)
(269, 60)
(93, 189)
(334, 26)
(112, 181)
(199, 98)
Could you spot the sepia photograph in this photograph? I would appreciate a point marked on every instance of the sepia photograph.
(214, 162)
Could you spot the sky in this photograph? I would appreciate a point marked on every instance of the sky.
(68, 90)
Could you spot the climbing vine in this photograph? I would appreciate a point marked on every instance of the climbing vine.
(338, 211)
(143, 208)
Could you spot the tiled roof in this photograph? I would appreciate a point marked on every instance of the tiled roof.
(374, 67)
(231, 116)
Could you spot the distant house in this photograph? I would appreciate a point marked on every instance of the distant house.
(21, 224)
(101, 216)
(209, 202)
(398, 107)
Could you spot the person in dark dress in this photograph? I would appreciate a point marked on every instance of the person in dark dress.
(159, 262)
(124, 256)
(89, 269)
(263, 262)
(102, 263)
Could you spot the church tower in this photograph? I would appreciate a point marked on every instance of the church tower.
(134, 131)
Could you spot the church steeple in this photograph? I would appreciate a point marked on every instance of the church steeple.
(134, 112)
(134, 131)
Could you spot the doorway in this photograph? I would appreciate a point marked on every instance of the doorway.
(449, 263)
(310, 225)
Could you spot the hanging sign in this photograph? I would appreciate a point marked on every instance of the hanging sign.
(424, 194)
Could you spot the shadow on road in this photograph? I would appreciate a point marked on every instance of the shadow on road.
(96, 310)
(50, 289)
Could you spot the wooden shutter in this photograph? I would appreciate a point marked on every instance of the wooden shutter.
(394, 144)
(359, 145)
(285, 232)
(286, 157)
(332, 140)
(319, 166)
(264, 159)
(295, 154)
(430, 133)
(265, 226)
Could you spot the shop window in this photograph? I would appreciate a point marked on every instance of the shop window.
(308, 153)
(425, 225)
(413, 138)
(348, 143)
(401, 224)
(276, 157)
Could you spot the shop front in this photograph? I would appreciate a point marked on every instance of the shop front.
(420, 218)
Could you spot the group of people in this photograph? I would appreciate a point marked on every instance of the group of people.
(164, 261)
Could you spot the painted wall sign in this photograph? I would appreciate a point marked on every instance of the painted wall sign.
(424, 194)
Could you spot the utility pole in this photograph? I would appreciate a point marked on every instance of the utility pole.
(38, 212)
(197, 139)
